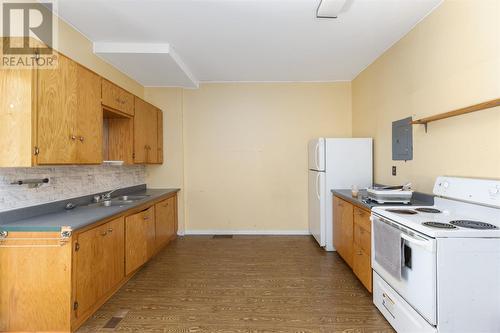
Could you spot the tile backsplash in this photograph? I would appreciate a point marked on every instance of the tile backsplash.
(65, 182)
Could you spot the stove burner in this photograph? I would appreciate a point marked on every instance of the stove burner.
(439, 225)
(473, 224)
(427, 210)
(402, 211)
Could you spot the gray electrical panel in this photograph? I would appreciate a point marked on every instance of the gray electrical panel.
(402, 140)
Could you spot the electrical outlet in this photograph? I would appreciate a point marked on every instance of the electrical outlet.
(394, 170)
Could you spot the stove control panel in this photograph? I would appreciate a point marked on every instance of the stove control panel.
(480, 191)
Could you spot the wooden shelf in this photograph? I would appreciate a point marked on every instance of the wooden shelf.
(476, 107)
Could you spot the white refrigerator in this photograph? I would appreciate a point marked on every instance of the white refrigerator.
(334, 164)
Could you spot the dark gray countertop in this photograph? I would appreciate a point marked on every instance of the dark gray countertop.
(78, 217)
(418, 199)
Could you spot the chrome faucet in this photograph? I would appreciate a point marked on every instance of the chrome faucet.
(105, 196)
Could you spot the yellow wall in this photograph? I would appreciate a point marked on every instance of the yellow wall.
(76, 46)
(241, 158)
(450, 60)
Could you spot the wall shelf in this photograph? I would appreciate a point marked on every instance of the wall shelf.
(472, 108)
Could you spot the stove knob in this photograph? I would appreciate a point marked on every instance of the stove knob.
(446, 184)
(495, 191)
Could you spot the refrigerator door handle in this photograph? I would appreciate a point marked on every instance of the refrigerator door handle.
(317, 186)
(316, 155)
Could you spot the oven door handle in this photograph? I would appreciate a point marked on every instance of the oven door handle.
(428, 245)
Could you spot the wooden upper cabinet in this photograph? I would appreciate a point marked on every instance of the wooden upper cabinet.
(17, 96)
(55, 117)
(145, 132)
(159, 156)
(117, 98)
(69, 127)
(57, 111)
(89, 118)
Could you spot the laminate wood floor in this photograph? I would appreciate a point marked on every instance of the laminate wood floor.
(242, 284)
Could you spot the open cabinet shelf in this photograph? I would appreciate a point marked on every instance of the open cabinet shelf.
(472, 108)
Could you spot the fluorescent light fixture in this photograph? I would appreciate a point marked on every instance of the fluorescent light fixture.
(330, 8)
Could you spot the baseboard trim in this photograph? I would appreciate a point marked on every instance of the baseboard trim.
(248, 232)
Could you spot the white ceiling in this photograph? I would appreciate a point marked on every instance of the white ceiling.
(243, 40)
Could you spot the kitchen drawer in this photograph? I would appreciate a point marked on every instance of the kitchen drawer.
(362, 218)
(362, 266)
(396, 310)
(117, 98)
(362, 238)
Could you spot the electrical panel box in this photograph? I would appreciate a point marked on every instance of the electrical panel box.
(402, 140)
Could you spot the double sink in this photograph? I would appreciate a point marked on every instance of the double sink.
(122, 200)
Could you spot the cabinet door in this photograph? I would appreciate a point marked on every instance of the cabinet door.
(139, 239)
(89, 267)
(165, 221)
(159, 157)
(337, 224)
(145, 132)
(140, 132)
(346, 230)
(99, 263)
(114, 253)
(117, 98)
(16, 98)
(362, 266)
(89, 118)
(57, 100)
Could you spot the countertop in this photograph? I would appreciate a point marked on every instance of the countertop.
(82, 215)
(418, 199)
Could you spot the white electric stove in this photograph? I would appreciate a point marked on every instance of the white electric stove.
(437, 268)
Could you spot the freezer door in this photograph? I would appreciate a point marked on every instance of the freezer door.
(316, 154)
(317, 216)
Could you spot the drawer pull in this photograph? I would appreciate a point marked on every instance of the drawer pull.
(104, 233)
(386, 296)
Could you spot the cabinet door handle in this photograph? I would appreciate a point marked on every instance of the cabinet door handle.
(104, 233)
(146, 218)
(73, 137)
(81, 139)
(110, 230)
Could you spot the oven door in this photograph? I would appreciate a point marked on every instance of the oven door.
(418, 269)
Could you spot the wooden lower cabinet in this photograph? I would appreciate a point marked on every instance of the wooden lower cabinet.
(139, 239)
(362, 266)
(99, 263)
(343, 229)
(352, 238)
(54, 284)
(165, 222)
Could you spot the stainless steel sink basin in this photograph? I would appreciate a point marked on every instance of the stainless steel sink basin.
(131, 197)
(119, 201)
(110, 203)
